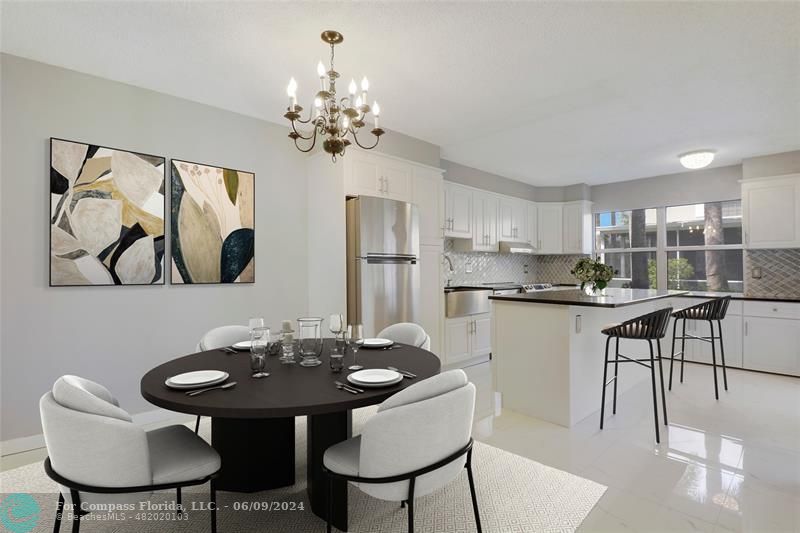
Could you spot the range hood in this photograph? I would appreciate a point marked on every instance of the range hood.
(508, 247)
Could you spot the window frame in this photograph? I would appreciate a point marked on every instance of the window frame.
(661, 249)
(655, 249)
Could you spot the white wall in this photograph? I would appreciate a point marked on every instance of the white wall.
(115, 334)
(771, 165)
(707, 185)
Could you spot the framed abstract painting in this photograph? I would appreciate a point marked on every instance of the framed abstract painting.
(106, 216)
(212, 224)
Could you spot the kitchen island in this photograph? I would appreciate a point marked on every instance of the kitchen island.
(548, 351)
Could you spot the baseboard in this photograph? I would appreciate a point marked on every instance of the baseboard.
(150, 419)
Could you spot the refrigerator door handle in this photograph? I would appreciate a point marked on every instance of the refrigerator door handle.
(389, 259)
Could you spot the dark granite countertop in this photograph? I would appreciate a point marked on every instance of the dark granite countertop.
(611, 297)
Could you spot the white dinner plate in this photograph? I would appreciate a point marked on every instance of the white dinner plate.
(375, 377)
(242, 346)
(196, 379)
(376, 343)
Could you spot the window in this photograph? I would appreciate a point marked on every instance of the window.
(627, 240)
(704, 247)
(690, 247)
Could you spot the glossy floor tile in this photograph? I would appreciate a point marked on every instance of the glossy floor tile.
(727, 465)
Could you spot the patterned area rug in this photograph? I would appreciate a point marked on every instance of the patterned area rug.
(515, 494)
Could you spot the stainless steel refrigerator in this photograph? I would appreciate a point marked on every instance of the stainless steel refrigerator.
(382, 270)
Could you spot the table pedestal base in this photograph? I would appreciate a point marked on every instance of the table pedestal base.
(325, 431)
(257, 454)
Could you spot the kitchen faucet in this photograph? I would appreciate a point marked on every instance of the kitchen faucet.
(450, 270)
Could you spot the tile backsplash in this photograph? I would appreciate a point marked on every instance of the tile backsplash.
(518, 268)
(780, 273)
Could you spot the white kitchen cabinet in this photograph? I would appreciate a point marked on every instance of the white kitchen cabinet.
(458, 211)
(396, 180)
(458, 334)
(467, 338)
(428, 195)
(532, 214)
(772, 337)
(771, 212)
(484, 222)
(512, 219)
(772, 345)
(550, 221)
(431, 294)
(375, 175)
(577, 228)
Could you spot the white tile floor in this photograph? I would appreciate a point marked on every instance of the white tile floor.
(727, 465)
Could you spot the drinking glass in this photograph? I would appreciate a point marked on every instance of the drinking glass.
(259, 340)
(309, 334)
(337, 361)
(287, 348)
(256, 323)
(355, 336)
(337, 327)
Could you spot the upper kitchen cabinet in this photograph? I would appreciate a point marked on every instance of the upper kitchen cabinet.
(549, 222)
(376, 175)
(532, 213)
(512, 222)
(771, 212)
(428, 195)
(484, 226)
(577, 229)
(458, 211)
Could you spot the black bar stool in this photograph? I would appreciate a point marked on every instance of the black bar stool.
(710, 311)
(650, 327)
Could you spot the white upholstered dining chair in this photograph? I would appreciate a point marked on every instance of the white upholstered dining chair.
(223, 336)
(97, 455)
(407, 333)
(220, 338)
(418, 442)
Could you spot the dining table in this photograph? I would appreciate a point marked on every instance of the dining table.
(253, 422)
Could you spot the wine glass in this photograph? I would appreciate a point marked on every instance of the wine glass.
(256, 323)
(336, 324)
(355, 336)
(259, 341)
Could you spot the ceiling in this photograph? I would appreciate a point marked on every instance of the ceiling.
(545, 93)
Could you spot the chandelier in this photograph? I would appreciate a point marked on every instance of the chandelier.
(335, 120)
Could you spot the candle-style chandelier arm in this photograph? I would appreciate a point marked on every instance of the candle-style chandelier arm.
(377, 140)
(300, 135)
(313, 142)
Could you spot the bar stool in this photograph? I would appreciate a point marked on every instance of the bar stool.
(710, 311)
(650, 327)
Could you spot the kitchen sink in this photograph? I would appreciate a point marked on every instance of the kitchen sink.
(465, 301)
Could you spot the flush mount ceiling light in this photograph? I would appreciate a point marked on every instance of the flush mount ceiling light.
(335, 119)
(697, 159)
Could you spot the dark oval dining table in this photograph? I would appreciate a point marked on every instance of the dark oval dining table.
(252, 424)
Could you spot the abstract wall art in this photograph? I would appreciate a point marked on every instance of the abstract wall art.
(106, 216)
(212, 224)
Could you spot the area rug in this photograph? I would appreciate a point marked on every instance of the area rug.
(515, 494)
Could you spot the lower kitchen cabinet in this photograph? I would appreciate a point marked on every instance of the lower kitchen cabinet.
(757, 335)
(467, 337)
(772, 344)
